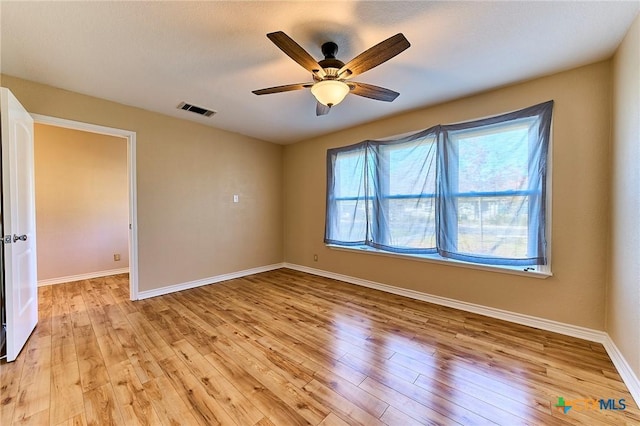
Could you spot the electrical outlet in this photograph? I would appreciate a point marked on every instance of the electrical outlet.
(315, 257)
(116, 257)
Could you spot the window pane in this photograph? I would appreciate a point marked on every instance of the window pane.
(495, 160)
(412, 223)
(349, 175)
(408, 192)
(352, 223)
(493, 226)
(412, 167)
(346, 202)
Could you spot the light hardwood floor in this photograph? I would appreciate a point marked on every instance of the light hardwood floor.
(287, 348)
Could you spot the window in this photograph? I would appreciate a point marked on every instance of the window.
(474, 191)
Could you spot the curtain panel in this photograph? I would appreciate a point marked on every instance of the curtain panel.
(473, 191)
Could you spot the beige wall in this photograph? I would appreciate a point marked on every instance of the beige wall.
(188, 227)
(82, 202)
(575, 294)
(623, 295)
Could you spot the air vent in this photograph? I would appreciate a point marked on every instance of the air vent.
(196, 109)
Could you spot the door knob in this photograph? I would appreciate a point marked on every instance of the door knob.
(22, 237)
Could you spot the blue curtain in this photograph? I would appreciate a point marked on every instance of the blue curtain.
(473, 191)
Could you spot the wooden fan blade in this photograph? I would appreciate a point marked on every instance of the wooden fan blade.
(374, 56)
(296, 52)
(285, 88)
(322, 109)
(373, 92)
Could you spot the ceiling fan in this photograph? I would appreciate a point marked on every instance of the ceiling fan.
(331, 77)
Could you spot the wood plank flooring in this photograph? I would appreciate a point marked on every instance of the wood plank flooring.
(288, 348)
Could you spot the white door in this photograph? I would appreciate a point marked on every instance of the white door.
(18, 223)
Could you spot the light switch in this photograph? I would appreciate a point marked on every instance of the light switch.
(235, 198)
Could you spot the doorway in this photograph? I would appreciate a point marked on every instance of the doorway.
(130, 219)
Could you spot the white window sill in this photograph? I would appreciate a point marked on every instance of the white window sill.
(512, 270)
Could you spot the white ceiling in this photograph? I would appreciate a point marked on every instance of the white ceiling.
(153, 55)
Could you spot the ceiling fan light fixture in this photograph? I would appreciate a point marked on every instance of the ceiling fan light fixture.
(330, 92)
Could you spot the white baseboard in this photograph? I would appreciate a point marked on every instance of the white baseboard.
(625, 371)
(90, 275)
(206, 281)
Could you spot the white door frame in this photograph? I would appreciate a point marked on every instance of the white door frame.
(131, 169)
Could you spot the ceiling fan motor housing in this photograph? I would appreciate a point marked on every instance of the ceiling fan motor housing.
(330, 64)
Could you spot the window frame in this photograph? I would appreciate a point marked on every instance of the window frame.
(540, 270)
